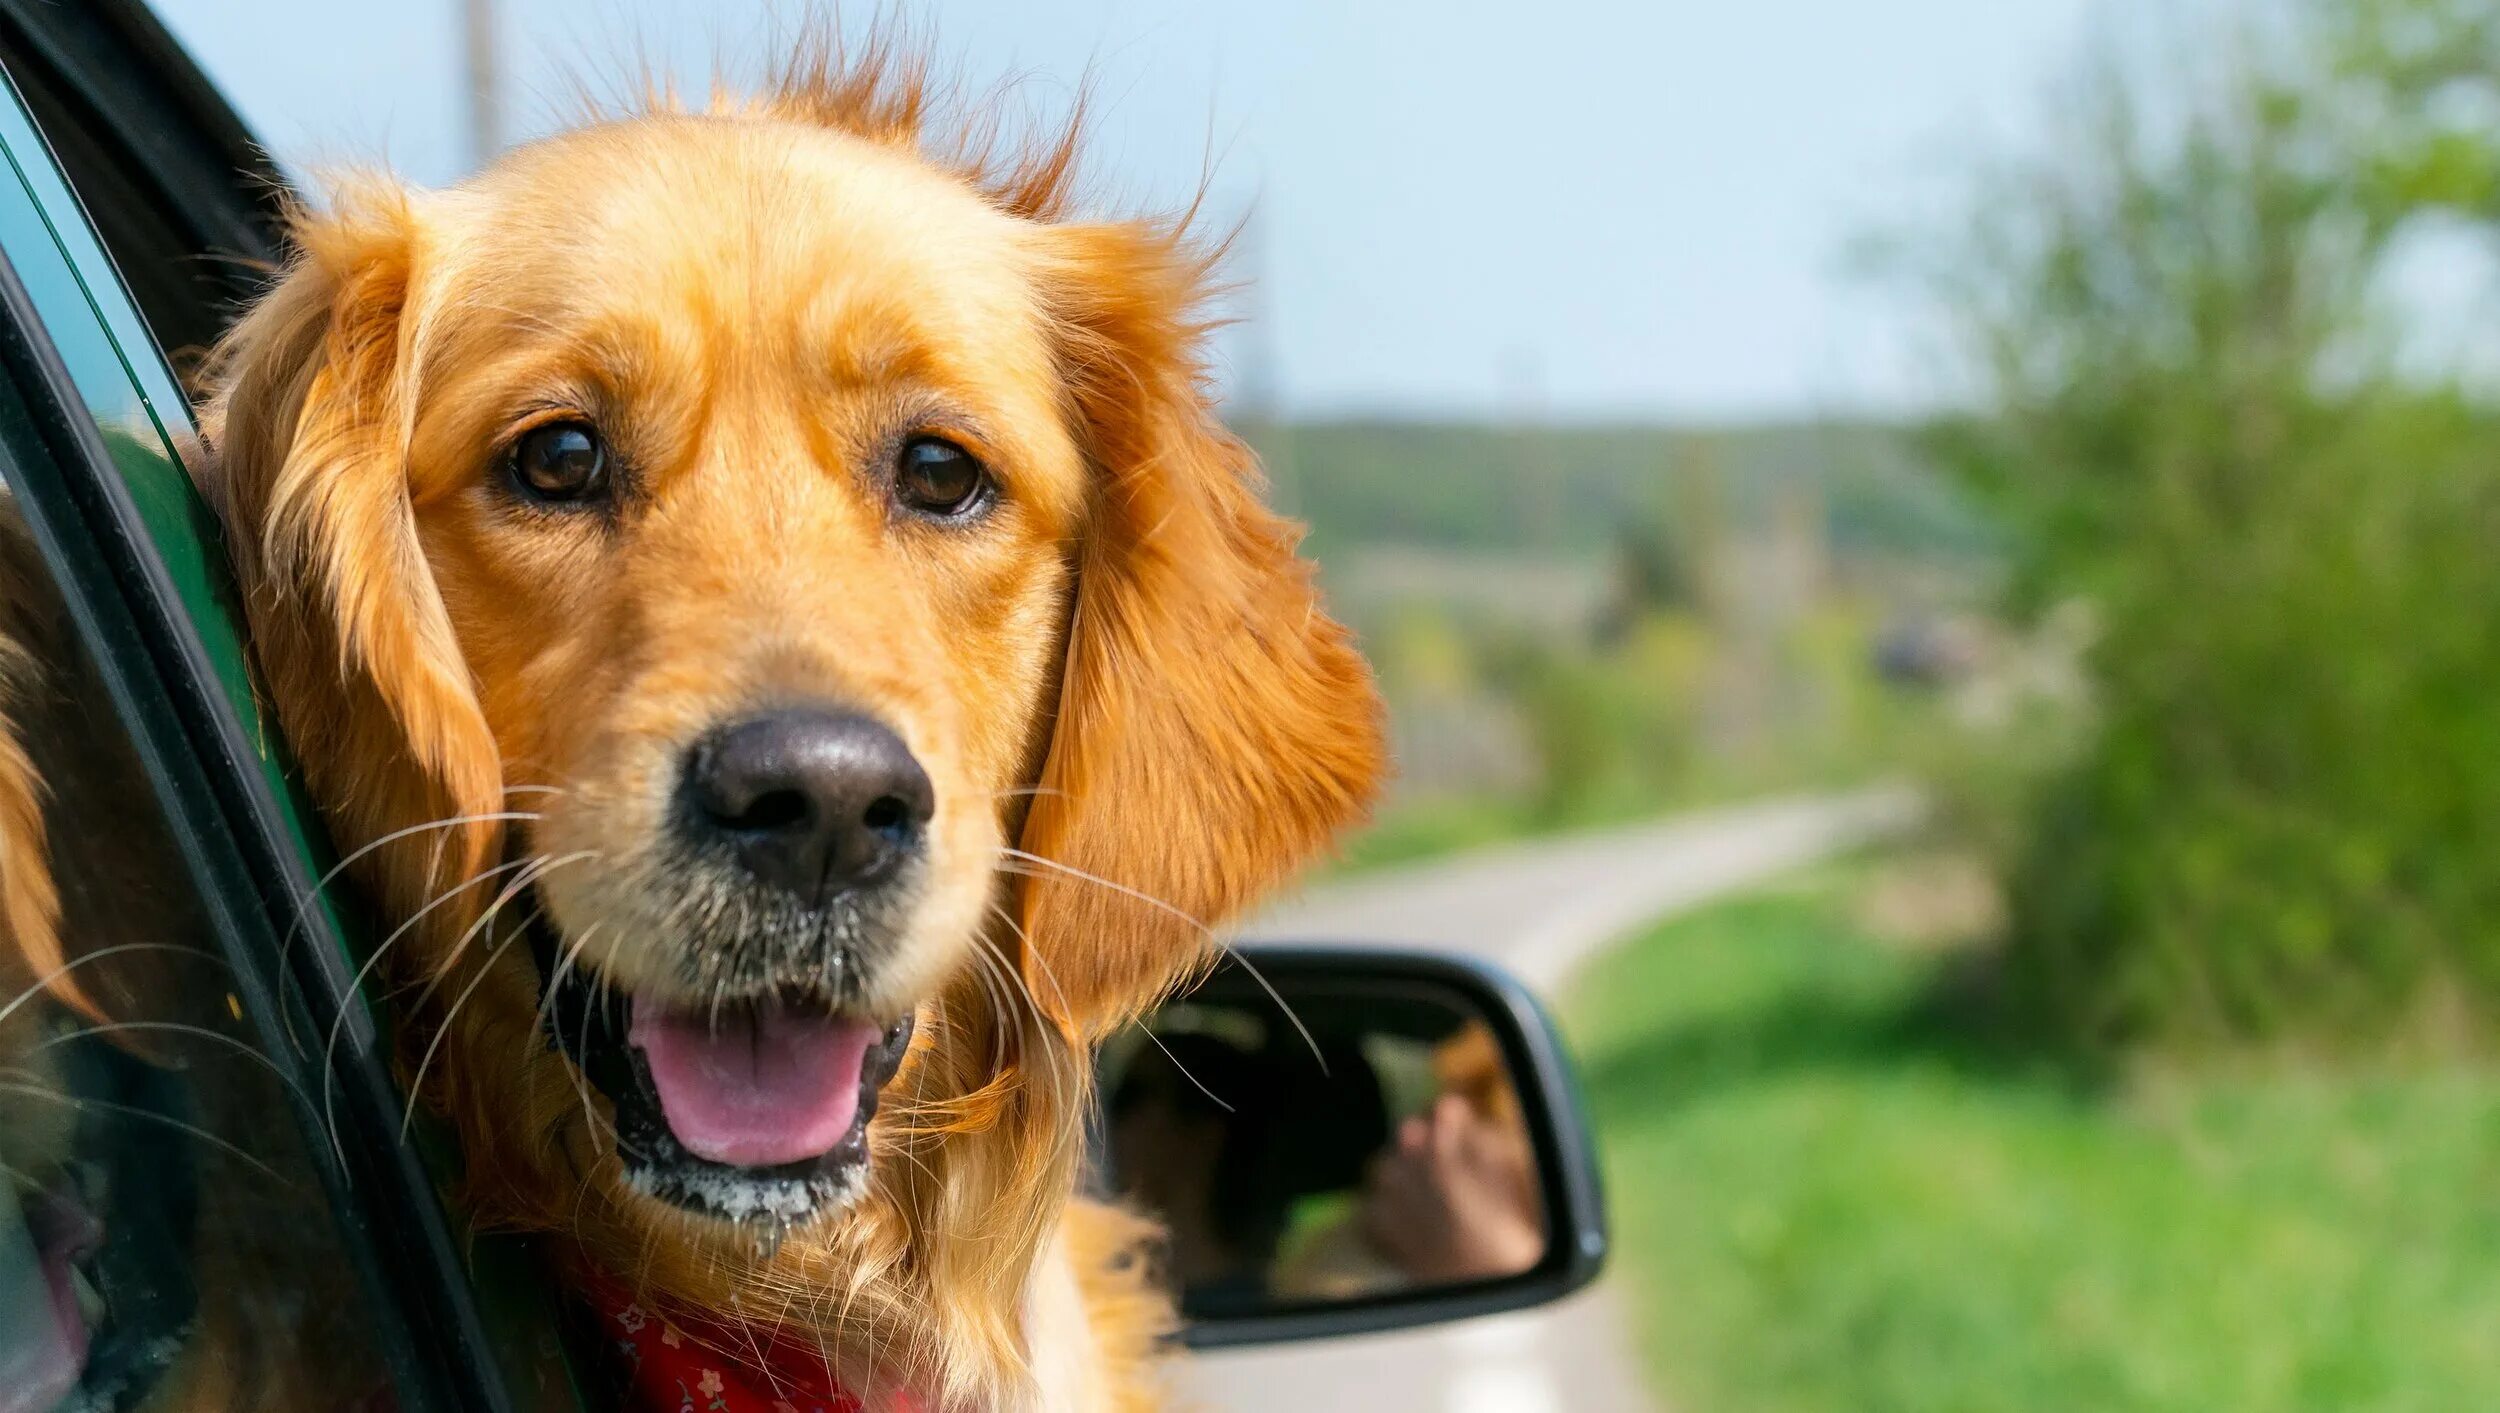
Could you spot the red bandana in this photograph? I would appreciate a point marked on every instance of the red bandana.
(682, 1363)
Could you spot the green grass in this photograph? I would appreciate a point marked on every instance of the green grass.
(1829, 1196)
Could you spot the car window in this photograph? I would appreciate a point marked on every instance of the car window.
(164, 1238)
(113, 242)
(158, 284)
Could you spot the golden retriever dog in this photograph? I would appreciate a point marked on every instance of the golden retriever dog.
(762, 594)
(774, 621)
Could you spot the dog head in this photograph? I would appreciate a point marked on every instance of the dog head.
(757, 585)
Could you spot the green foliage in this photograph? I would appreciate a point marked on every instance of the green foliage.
(1831, 1193)
(2284, 808)
(1614, 731)
(1665, 713)
(2419, 78)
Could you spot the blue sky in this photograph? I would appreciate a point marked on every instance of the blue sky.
(1570, 208)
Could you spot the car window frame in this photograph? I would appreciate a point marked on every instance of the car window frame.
(47, 451)
(92, 438)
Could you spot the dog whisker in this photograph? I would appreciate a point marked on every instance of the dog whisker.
(546, 1005)
(580, 1080)
(416, 1083)
(38, 1091)
(1080, 875)
(202, 1032)
(1015, 973)
(1064, 1070)
(303, 905)
(532, 869)
(998, 983)
(485, 968)
(43, 983)
(346, 996)
(1290, 1014)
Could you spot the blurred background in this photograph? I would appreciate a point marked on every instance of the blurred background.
(1937, 570)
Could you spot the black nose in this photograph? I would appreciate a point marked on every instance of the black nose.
(811, 801)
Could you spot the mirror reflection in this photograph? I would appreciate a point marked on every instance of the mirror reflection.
(1376, 1147)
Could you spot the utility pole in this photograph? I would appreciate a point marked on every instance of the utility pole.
(477, 25)
(1257, 388)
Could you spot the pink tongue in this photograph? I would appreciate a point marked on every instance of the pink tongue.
(40, 1361)
(768, 1087)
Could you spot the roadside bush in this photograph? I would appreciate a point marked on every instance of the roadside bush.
(2287, 809)
(2283, 813)
(1614, 730)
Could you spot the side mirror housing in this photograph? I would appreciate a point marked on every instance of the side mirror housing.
(1354, 1138)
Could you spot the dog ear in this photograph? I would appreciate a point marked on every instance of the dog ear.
(309, 417)
(1215, 728)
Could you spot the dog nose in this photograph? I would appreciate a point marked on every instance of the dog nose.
(812, 801)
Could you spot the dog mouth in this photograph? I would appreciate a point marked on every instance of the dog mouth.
(754, 1109)
(112, 1304)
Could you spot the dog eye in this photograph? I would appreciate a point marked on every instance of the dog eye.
(936, 477)
(560, 463)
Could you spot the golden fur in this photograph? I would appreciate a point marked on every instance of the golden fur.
(1135, 713)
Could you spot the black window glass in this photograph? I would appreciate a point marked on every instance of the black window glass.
(164, 1238)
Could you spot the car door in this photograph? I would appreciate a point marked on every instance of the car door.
(119, 159)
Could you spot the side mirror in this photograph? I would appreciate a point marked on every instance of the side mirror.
(1344, 1139)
